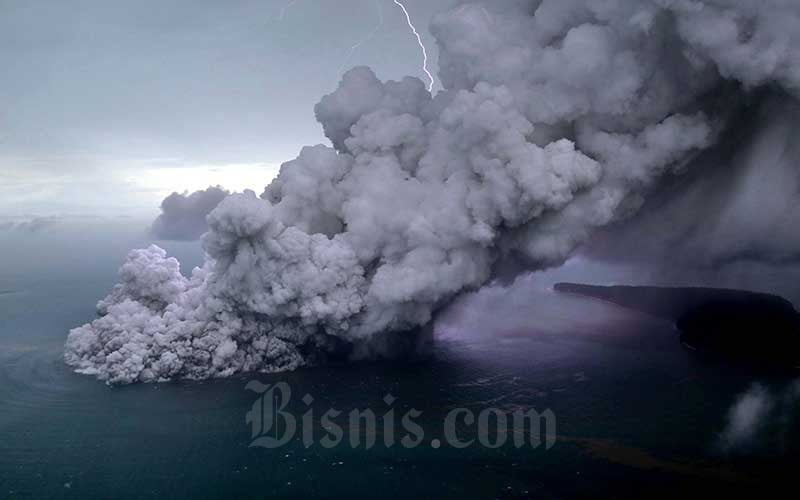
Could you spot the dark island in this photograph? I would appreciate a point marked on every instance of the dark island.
(747, 326)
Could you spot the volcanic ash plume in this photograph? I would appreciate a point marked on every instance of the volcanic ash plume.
(731, 220)
(557, 118)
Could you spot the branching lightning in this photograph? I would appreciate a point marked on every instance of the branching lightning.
(285, 8)
(421, 45)
(372, 34)
(364, 40)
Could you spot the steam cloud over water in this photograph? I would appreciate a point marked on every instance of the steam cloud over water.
(557, 118)
(762, 420)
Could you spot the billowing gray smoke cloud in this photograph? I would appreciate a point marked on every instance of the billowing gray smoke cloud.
(183, 216)
(557, 118)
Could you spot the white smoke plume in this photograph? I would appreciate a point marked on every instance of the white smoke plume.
(746, 418)
(557, 117)
(183, 216)
(763, 421)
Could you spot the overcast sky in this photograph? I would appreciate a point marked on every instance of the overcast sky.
(106, 106)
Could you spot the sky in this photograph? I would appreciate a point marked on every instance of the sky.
(107, 107)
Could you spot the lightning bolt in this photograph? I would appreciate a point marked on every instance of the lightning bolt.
(285, 8)
(364, 40)
(372, 34)
(421, 45)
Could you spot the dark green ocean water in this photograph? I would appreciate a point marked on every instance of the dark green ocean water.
(637, 414)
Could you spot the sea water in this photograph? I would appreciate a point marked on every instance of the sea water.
(635, 412)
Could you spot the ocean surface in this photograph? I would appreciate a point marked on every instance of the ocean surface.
(637, 413)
